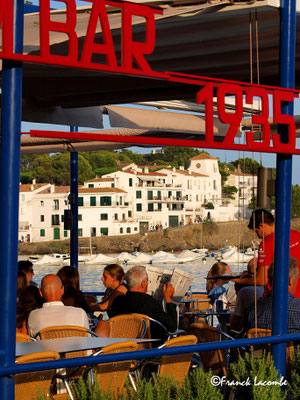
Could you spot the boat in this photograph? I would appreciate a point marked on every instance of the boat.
(101, 259)
(141, 258)
(61, 256)
(237, 257)
(48, 260)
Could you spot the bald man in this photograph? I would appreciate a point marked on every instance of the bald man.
(54, 312)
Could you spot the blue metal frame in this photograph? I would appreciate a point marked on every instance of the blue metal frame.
(9, 189)
(138, 355)
(9, 194)
(283, 187)
(74, 205)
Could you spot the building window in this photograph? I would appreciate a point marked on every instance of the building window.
(130, 182)
(80, 201)
(159, 206)
(56, 204)
(93, 231)
(66, 202)
(79, 217)
(169, 194)
(123, 217)
(42, 218)
(121, 230)
(42, 203)
(215, 185)
(150, 207)
(138, 194)
(92, 201)
(159, 195)
(150, 195)
(139, 207)
(90, 185)
(116, 217)
(129, 213)
(112, 185)
(128, 230)
(104, 231)
(55, 219)
(135, 228)
(105, 201)
(65, 234)
(80, 232)
(42, 232)
(23, 197)
(104, 217)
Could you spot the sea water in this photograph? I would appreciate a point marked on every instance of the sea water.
(90, 276)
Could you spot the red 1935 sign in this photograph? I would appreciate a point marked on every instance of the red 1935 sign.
(133, 53)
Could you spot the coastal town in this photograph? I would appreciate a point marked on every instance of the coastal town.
(136, 199)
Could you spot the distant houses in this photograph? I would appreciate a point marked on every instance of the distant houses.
(135, 199)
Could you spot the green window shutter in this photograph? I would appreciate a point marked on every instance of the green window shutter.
(80, 201)
(92, 201)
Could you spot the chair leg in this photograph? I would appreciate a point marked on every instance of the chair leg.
(132, 382)
(68, 389)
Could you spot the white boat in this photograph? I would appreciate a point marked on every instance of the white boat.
(164, 258)
(141, 258)
(202, 252)
(237, 257)
(191, 254)
(61, 256)
(101, 259)
(48, 260)
(123, 257)
(227, 249)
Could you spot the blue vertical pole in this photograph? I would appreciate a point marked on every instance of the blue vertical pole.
(74, 206)
(9, 195)
(283, 186)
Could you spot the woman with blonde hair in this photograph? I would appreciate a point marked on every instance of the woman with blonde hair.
(214, 287)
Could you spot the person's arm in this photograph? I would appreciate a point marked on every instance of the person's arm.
(261, 277)
(236, 323)
(103, 306)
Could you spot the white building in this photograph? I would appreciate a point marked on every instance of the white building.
(134, 199)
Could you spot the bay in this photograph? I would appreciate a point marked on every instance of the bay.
(90, 276)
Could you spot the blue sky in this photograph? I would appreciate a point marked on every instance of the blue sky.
(268, 160)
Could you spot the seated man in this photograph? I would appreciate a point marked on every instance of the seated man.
(264, 305)
(136, 300)
(246, 295)
(54, 312)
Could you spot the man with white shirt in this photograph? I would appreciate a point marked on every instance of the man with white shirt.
(54, 312)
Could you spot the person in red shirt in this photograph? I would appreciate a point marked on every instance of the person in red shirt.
(263, 223)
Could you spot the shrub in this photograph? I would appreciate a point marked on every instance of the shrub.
(294, 385)
(255, 370)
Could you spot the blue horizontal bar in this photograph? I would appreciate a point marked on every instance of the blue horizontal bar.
(102, 293)
(137, 355)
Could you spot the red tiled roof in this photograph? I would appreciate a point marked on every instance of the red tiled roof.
(204, 157)
(101, 190)
(27, 187)
(100, 180)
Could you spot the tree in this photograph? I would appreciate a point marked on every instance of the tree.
(228, 192)
(247, 165)
(223, 169)
(295, 207)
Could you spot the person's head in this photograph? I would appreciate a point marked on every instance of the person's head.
(293, 274)
(21, 283)
(52, 288)
(137, 279)
(113, 276)
(252, 265)
(26, 266)
(219, 268)
(262, 222)
(30, 299)
(69, 276)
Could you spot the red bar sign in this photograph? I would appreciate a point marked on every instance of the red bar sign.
(133, 52)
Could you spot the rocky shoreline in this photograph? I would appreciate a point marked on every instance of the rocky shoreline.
(210, 235)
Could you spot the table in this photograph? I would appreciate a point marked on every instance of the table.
(69, 344)
(222, 316)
